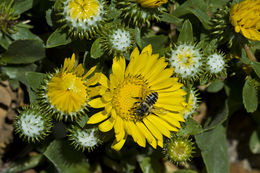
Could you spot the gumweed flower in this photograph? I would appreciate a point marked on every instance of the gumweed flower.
(140, 12)
(142, 100)
(117, 40)
(245, 17)
(82, 18)
(8, 18)
(179, 149)
(187, 62)
(151, 3)
(64, 93)
(32, 124)
(192, 104)
(86, 138)
(216, 65)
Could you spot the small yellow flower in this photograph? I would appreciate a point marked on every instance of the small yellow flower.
(151, 3)
(65, 93)
(83, 18)
(125, 91)
(245, 17)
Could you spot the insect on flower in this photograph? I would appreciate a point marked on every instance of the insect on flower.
(146, 105)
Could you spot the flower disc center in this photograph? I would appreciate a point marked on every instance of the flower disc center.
(130, 91)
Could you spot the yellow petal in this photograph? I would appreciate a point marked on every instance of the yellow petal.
(151, 140)
(119, 129)
(155, 132)
(133, 58)
(90, 72)
(138, 135)
(118, 68)
(98, 117)
(97, 103)
(171, 120)
(163, 76)
(107, 125)
(117, 145)
(79, 71)
(163, 130)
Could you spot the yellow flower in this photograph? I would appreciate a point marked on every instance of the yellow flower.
(83, 17)
(127, 88)
(151, 3)
(245, 17)
(65, 93)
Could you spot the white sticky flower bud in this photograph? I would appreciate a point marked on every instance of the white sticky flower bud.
(215, 63)
(120, 40)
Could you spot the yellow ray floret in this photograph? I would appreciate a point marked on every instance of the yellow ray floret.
(151, 3)
(245, 17)
(127, 88)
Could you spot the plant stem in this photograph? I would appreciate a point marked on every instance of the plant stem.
(249, 53)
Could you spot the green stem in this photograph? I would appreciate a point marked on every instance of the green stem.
(249, 53)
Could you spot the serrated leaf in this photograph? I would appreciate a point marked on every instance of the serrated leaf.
(256, 67)
(169, 18)
(186, 34)
(96, 50)
(250, 99)
(213, 146)
(23, 52)
(58, 38)
(190, 127)
(254, 143)
(82, 121)
(34, 79)
(215, 86)
(65, 158)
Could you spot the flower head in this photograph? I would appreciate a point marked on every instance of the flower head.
(216, 65)
(140, 12)
(117, 40)
(187, 61)
(179, 149)
(8, 18)
(83, 17)
(245, 17)
(65, 92)
(32, 124)
(87, 138)
(151, 3)
(192, 104)
(142, 100)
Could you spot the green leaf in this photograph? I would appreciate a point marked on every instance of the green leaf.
(18, 72)
(23, 52)
(150, 165)
(65, 158)
(254, 143)
(96, 50)
(215, 86)
(213, 146)
(190, 127)
(34, 79)
(250, 99)
(219, 114)
(196, 7)
(24, 164)
(185, 171)
(158, 42)
(58, 38)
(256, 67)
(169, 18)
(21, 6)
(186, 34)
(23, 33)
(82, 121)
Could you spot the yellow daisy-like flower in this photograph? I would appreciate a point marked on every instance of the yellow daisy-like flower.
(83, 17)
(245, 17)
(127, 93)
(65, 93)
(151, 3)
